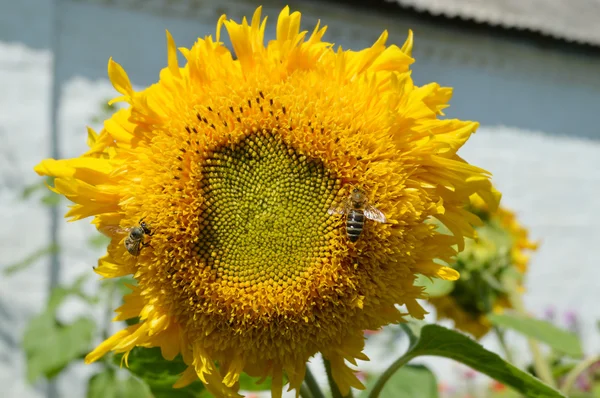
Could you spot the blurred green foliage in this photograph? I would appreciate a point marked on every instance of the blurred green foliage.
(51, 345)
(410, 381)
(543, 331)
(435, 287)
(47, 197)
(159, 374)
(98, 241)
(438, 341)
(113, 384)
(28, 261)
(248, 383)
(106, 110)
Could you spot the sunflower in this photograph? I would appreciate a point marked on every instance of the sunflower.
(500, 250)
(238, 166)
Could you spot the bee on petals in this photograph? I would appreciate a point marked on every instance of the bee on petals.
(134, 242)
(357, 209)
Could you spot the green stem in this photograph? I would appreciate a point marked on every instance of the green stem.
(305, 391)
(500, 335)
(412, 338)
(335, 391)
(541, 366)
(400, 362)
(311, 385)
(576, 372)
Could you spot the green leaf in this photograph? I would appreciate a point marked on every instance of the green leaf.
(545, 332)
(108, 384)
(159, 374)
(248, 383)
(435, 287)
(411, 381)
(30, 259)
(50, 346)
(439, 341)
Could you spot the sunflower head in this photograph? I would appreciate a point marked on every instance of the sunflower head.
(499, 251)
(256, 254)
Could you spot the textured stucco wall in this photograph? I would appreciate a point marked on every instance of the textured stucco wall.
(549, 177)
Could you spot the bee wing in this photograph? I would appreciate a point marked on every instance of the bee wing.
(338, 208)
(110, 230)
(373, 213)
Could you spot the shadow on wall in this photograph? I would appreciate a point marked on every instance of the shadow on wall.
(497, 82)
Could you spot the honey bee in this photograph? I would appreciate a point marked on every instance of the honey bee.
(357, 210)
(134, 242)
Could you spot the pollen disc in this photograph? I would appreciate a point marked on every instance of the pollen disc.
(265, 217)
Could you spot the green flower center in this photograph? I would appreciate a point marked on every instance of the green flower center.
(483, 265)
(265, 214)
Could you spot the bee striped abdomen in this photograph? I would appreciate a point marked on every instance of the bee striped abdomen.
(354, 224)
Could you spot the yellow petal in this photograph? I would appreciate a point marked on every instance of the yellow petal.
(277, 382)
(408, 44)
(119, 79)
(92, 137)
(76, 167)
(169, 342)
(210, 375)
(187, 377)
(110, 343)
(296, 373)
(344, 377)
(447, 273)
(172, 56)
(236, 366)
(119, 126)
(110, 269)
(133, 305)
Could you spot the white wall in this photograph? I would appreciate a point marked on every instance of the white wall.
(552, 183)
(25, 83)
(549, 177)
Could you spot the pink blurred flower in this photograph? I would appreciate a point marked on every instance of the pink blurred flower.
(445, 388)
(470, 374)
(550, 313)
(497, 386)
(362, 376)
